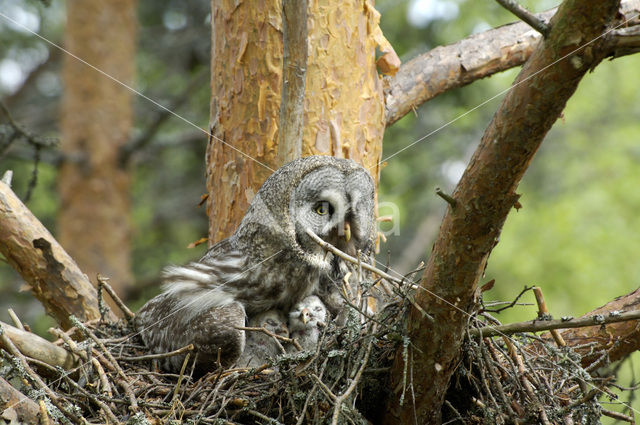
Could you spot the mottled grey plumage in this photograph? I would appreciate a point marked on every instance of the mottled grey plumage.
(269, 262)
(261, 347)
(306, 320)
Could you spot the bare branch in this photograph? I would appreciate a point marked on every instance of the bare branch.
(53, 276)
(547, 325)
(534, 22)
(31, 345)
(481, 55)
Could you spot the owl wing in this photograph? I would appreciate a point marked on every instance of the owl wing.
(210, 282)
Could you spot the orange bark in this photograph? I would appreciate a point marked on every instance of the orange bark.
(343, 106)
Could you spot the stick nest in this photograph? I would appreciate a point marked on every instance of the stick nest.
(522, 379)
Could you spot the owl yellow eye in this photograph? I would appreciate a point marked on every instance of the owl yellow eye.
(323, 208)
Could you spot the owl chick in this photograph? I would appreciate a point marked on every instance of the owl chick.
(306, 320)
(270, 262)
(261, 347)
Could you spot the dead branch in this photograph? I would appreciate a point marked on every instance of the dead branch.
(33, 376)
(103, 282)
(547, 325)
(484, 197)
(54, 277)
(31, 345)
(543, 312)
(156, 356)
(478, 56)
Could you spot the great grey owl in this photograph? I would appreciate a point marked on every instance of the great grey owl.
(270, 262)
(306, 320)
(261, 347)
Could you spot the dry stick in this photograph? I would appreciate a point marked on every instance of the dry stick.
(103, 282)
(104, 381)
(15, 319)
(537, 326)
(328, 247)
(617, 415)
(10, 397)
(272, 335)
(44, 413)
(177, 352)
(70, 342)
(8, 344)
(525, 382)
(32, 345)
(356, 379)
(123, 381)
(543, 311)
(102, 405)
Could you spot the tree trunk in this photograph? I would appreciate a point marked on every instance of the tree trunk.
(343, 104)
(484, 197)
(93, 223)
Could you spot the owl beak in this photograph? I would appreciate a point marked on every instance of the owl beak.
(304, 316)
(347, 231)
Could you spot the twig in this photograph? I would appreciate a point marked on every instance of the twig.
(106, 409)
(176, 390)
(104, 381)
(15, 319)
(446, 197)
(8, 344)
(618, 416)
(127, 150)
(538, 326)
(123, 381)
(103, 282)
(323, 387)
(341, 398)
(532, 20)
(44, 414)
(543, 311)
(525, 381)
(510, 304)
(177, 352)
(272, 335)
(328, 247)
(35, 141)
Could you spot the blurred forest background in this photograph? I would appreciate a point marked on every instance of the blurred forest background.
(576, 236)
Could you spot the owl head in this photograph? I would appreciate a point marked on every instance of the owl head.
(332, 197)
(310, 313)
(272, 320)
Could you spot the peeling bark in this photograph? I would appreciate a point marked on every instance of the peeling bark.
(484, 197)
(54, 277)
(343, 104)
